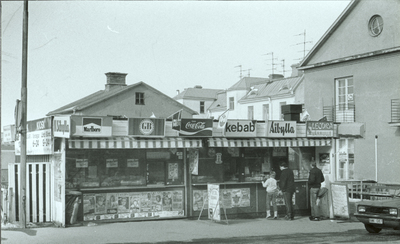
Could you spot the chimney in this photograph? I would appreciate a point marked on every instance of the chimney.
(177, 92)
(115, 79)
(295, 71)
(275, 76)
(198, 87)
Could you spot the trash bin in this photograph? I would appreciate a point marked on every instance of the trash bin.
(73, 200)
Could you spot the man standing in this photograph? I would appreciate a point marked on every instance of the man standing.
(314, 182)
(286, 185)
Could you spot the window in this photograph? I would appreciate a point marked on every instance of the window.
(266, 112)
(202, 107)
(250, 112)
(375, 25)
(344, 105)
(345, 159)
(231, 103)
(281, 117)
(139, 98)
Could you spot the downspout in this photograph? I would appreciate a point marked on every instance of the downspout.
(376, 158)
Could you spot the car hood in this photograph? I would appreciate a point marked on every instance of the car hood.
(382, 203)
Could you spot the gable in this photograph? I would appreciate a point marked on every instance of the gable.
(350, 36)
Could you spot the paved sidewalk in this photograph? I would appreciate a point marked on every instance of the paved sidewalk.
(182, 230)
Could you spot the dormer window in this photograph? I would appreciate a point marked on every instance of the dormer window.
(375, 25)
(139, 98)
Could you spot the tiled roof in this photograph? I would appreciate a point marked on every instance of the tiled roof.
(274, 88)
(198, 93)
(246, 82)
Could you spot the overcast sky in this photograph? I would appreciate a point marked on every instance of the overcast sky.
(168, 45)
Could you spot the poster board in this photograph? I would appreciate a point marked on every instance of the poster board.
(340, 200)
(214, 212)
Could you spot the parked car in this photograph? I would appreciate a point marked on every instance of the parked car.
(380, 214)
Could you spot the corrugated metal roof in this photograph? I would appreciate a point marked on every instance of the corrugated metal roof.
(198, 93)
(246, 82)
(277, 87)
(220, 103)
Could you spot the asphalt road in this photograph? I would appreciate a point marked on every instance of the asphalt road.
(255, 231)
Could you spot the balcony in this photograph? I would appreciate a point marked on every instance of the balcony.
(395, 112)
(340, 113)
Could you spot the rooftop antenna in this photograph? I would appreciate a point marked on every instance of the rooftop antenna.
(283, 67)
(304, 43)
(240, 66)
(248, 72)
(272, 61)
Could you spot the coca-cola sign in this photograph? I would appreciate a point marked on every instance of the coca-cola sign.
(196, 127)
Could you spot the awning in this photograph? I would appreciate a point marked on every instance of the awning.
(133, 143)
(267, 142)
(351, 129)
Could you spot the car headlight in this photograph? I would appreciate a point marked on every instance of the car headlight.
(393, 211)
(361, 209)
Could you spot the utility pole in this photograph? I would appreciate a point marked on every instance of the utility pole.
(24, 99)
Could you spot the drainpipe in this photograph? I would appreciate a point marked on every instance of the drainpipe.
(376, 158)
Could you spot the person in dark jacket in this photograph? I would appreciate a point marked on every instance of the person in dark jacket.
(314, 182)
(286, 185)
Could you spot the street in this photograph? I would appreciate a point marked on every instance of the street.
(301, 230)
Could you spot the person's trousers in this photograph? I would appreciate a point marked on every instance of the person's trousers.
(288, 196)
(313, 202)
(271, 196)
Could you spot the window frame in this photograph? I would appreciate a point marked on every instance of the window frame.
(139, 98)
(202, 107)
(231, 103)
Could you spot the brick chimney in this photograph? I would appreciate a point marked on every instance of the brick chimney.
(115, 79)
(275, 76)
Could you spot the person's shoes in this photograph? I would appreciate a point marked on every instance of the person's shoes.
(288, 218)
(269, 217)
(315, 219)
(275, 217)
(311, 217)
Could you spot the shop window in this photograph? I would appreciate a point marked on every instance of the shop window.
(345, 159)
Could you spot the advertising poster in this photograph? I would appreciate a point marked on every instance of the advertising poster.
(156, 201)
(167, 201)
(38, 138)
(198, 200)
(112, 203)
(214, 212)
(177, 201)
(227, 198)
(135, 203)
(194, 161)
(245, 201)
(100, 204)
(173, 171)
(61, 126)
(240, 128)
(196, 127)
(91, 126)
(145, 202)
(123, 202)
(88, 203)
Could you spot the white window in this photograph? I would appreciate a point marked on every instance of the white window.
(345, 159)
(231, 103)
(344, 109)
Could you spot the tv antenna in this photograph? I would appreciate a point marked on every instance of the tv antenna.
(283, 67)
(272, 61)
(239, 66)
(303, 43)
(248, 72)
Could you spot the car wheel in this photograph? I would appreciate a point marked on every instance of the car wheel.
(372, 229)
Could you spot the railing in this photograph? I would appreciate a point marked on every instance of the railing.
(340, 113)
(368, 190)
(395, 111)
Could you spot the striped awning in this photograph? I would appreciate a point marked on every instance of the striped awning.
(267, 142)
(134, 143)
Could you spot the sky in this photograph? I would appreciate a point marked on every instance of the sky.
(169, 45)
